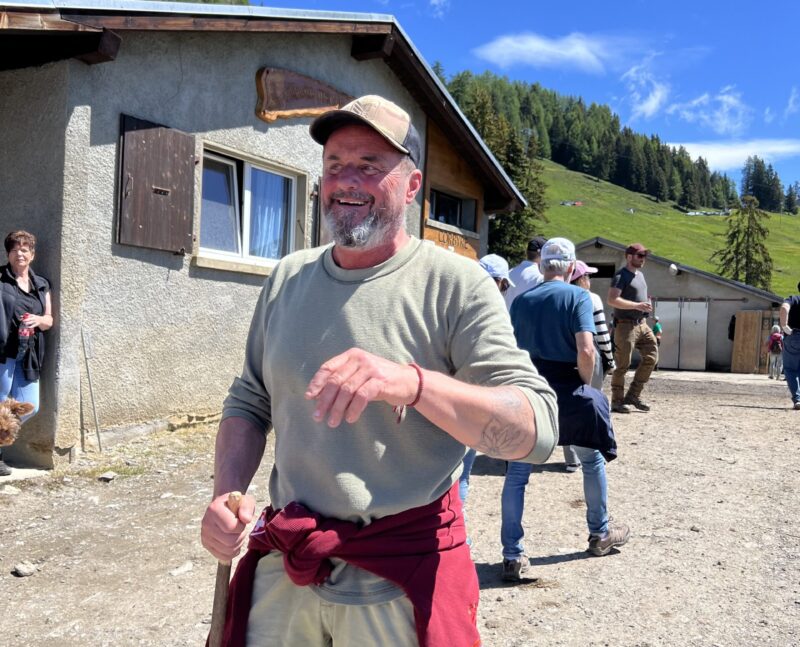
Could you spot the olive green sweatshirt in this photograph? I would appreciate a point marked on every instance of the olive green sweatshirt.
(423, 305)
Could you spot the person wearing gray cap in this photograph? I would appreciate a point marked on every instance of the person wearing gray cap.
(377, 361)
(526, 275)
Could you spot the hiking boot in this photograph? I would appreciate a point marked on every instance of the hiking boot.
(514, 568)
(616, 535)
(636, 402)
(572, 467)
(5, 470)
(620, 407)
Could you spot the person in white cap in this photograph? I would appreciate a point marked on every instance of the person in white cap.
(377, 361)
(554, 323)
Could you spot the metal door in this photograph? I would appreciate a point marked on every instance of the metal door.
(684, 336)
(694, 333)
(669, 315)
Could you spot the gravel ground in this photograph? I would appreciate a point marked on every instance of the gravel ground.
(708, 482)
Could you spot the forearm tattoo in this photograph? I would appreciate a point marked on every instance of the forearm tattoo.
(507, 431)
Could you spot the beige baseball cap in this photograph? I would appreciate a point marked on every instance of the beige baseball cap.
(388, 119)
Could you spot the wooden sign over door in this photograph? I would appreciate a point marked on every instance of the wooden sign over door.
(283, 95)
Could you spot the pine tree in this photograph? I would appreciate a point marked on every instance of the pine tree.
(745, 257)
(790, 200)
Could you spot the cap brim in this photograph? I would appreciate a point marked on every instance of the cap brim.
(324, 125)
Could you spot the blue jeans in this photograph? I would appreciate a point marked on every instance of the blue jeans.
(791, 364)
(595, 491)
(463, 480)
(13, 384)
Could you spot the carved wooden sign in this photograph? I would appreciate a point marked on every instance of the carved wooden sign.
(283, 94)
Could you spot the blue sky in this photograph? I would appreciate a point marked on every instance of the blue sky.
(721, 78)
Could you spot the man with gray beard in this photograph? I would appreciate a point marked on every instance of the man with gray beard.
(377, 361)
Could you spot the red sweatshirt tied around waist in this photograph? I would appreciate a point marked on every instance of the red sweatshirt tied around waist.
(422, 550)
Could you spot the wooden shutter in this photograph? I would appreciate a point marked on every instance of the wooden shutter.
(156, 187)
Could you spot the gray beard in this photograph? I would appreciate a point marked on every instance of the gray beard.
(373, 231)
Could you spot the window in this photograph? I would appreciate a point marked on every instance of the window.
(604, 270)
(451, 210)
(247, 210)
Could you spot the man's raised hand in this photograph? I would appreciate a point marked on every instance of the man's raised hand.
(347, 383)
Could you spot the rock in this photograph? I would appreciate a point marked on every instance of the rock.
(24, 569)
(107, 477)
(167, 495)
(492, 624)
(182, 569)
(10, 490)
(694, 529)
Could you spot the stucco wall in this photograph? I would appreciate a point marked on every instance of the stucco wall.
(32, 123)
(725, 300)
(168, 336)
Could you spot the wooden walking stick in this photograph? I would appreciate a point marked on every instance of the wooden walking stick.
(222, 585)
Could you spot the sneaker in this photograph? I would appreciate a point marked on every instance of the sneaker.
(514, 568)
(616, 535)
(796, 407)
(620, 407)
(636, 402)
(572, 467)
(5, 470)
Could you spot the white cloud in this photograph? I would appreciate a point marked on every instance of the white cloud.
(439, 7)
(731, 155)
(793, 105)
(646, 94)
(725, 113)
(769, 116)
(576, 51)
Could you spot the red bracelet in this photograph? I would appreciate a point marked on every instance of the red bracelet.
(421, 384)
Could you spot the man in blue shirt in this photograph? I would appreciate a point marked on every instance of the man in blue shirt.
(554, 322)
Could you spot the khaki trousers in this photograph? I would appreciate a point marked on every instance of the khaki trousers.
(286, 615)
(627, 336)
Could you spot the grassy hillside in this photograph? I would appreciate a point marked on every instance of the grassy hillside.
(660, 226)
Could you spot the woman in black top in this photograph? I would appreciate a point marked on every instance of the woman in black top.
(25, 312)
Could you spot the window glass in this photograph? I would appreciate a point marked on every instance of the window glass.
(247, 211)
(270, 204)
(459, 212)
(219, 220)
(468, 208)
(445, 208)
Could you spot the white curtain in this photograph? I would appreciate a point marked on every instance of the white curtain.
(270, 199)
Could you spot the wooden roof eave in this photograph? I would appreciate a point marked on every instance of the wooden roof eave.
(371, 39)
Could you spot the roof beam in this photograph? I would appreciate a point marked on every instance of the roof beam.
(38, 21)
(161, 22)
(365, 48)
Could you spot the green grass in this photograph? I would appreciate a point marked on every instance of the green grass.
(660, 226)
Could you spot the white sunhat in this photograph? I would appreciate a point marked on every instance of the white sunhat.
(497, 267)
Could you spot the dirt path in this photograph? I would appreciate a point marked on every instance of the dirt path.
(708, 482)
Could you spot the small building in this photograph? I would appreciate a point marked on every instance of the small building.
(696, 309)
(160, 152)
